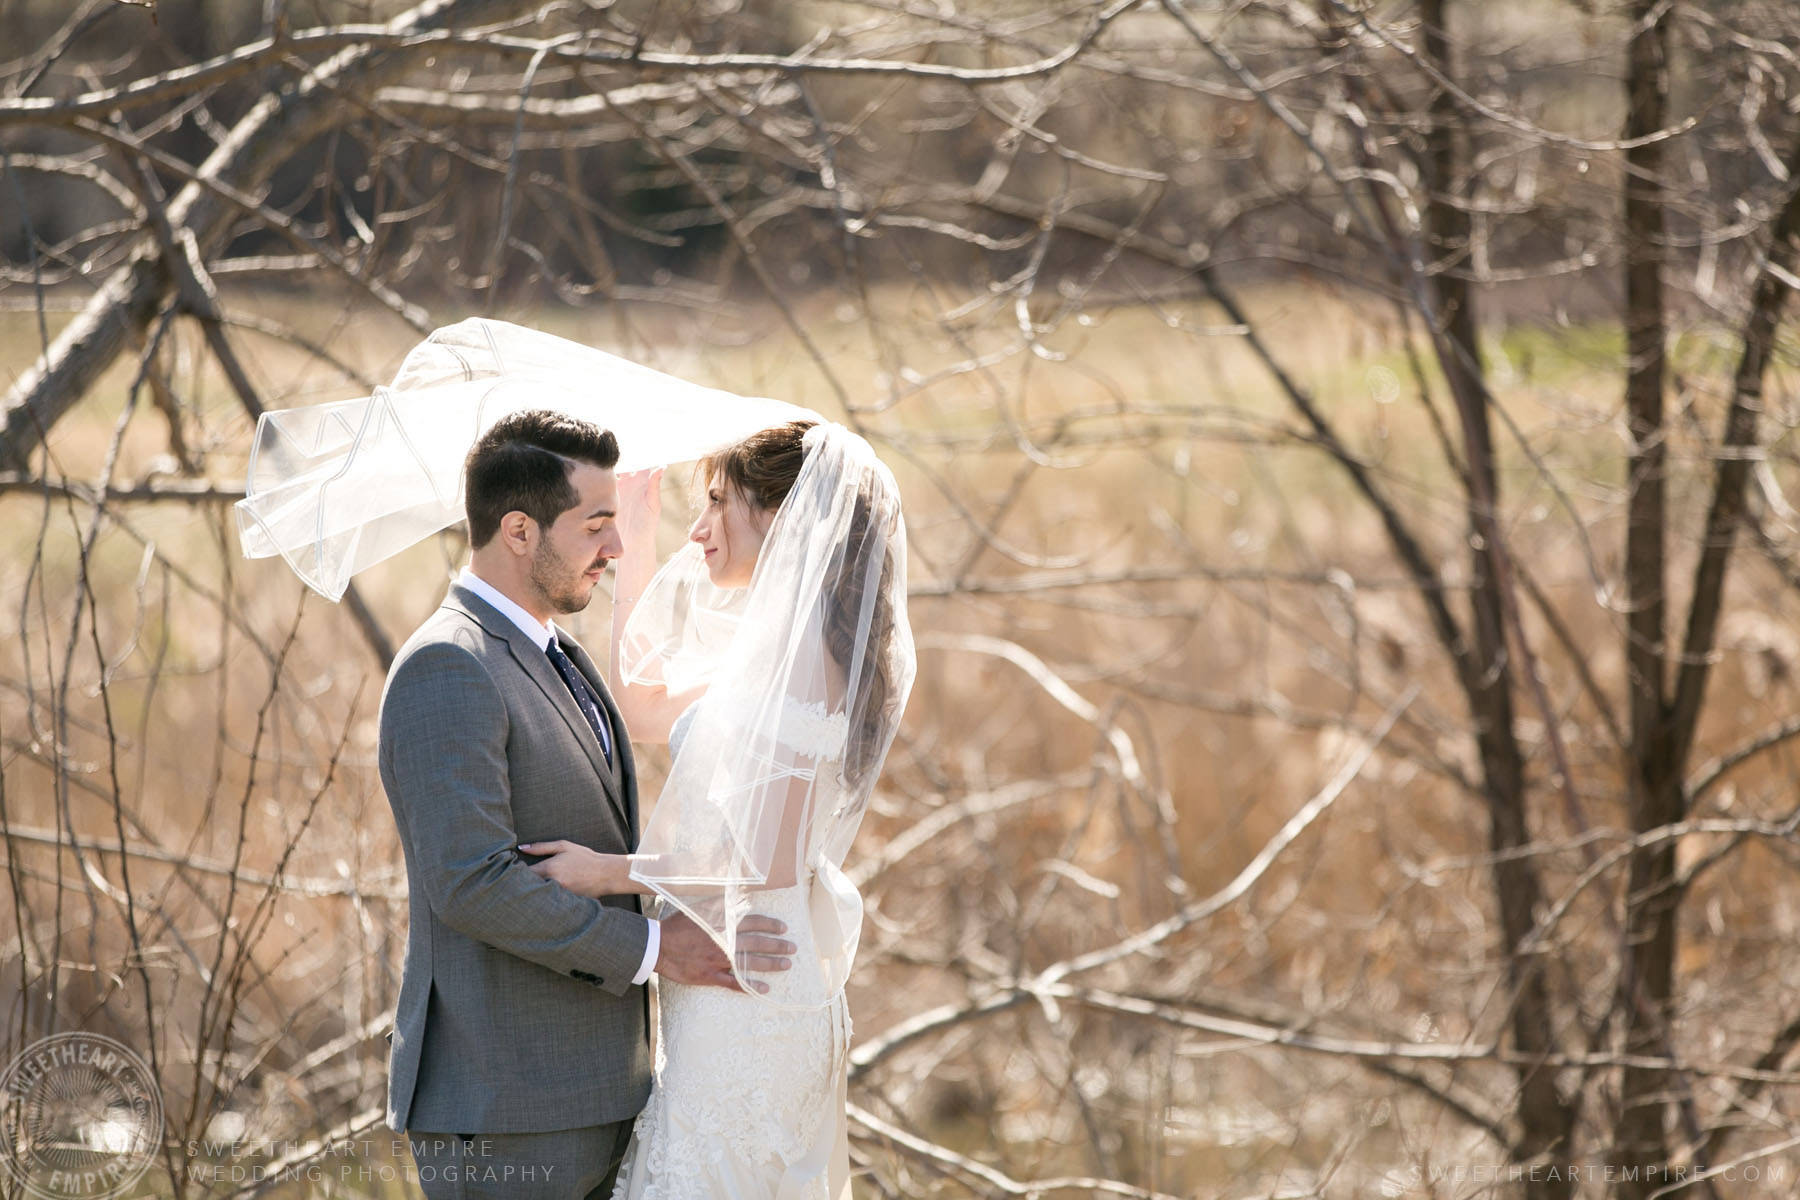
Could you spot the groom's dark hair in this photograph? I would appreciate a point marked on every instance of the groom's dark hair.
(522, 464)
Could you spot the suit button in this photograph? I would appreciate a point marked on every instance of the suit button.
(585, 977)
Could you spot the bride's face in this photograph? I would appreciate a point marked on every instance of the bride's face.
(730, 530)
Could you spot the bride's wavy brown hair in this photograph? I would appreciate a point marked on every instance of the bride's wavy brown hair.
(762, 468)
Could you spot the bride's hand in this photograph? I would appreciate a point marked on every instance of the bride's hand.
(640, 507)
(582, 871)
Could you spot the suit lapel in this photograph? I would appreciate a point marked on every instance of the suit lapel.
(531, 658)
(621, 739)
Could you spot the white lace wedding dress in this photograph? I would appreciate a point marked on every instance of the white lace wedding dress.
(749, 1097)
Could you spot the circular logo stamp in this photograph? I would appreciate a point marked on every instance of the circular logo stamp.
(80, 1115)
(1384, 385)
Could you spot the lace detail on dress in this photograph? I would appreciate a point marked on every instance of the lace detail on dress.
(807, 727)
(747, 1101)
(749, 1096)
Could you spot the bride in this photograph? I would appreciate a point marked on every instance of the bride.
(773, 655)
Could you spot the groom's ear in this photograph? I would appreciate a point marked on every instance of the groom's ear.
(518, 532)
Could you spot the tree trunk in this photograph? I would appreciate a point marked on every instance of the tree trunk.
(1542, 1117)
(1646, 977)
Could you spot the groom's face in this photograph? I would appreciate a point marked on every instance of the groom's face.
(572, 552)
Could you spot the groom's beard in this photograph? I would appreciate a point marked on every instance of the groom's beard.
(565, 586)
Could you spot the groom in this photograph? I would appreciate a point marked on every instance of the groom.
(520, 1046)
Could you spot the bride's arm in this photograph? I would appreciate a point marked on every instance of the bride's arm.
(590, 873)
(788, 799)
(785, 808)
(585, 872)
(790, 808)
(649, 710)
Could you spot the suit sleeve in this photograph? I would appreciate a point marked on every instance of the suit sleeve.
(443, 762)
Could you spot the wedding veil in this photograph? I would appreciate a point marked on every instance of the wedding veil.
(806, 684)
(335, 488)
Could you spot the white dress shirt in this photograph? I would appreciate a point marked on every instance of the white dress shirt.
(542, 634)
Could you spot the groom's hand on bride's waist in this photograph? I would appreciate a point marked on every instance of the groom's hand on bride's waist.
(689, 955)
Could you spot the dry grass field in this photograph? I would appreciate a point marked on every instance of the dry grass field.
(1354, 540)
(1225, 610)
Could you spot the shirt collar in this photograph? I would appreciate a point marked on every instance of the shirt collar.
(539, 633)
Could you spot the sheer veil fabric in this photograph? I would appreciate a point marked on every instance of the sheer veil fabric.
(335, 488)
(806, 682)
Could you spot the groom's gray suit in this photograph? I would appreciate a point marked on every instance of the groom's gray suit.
(517, 1015)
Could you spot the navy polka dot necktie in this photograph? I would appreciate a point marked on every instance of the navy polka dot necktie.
(585, 700)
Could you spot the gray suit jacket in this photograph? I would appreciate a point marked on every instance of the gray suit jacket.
(516, 1011)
